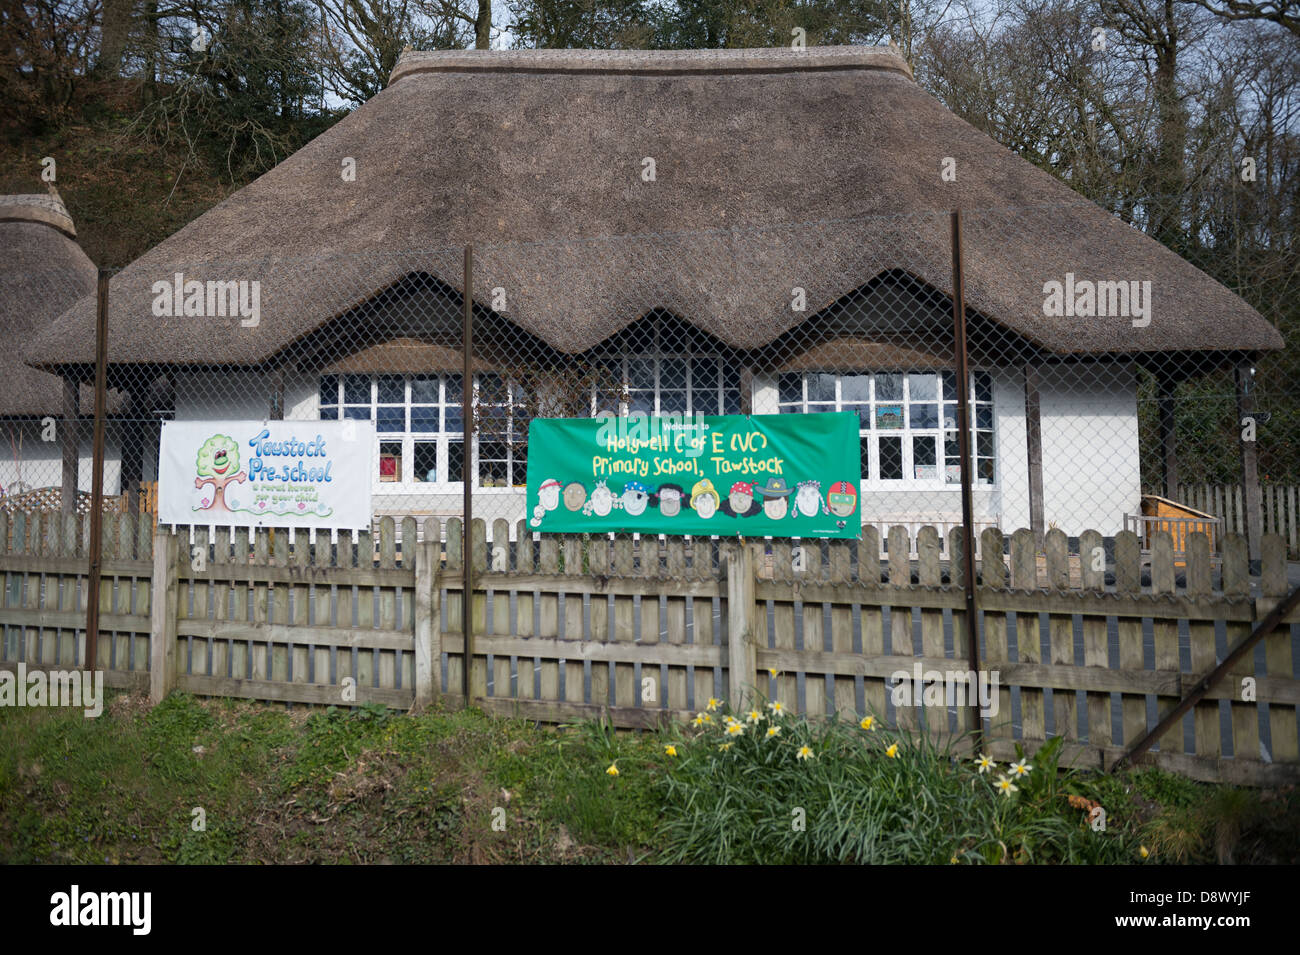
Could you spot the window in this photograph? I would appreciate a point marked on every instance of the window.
(907, 421)
(421, 425)
(667, 384)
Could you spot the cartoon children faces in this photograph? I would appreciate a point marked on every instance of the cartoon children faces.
(575, 495)
(774, 494)
(740, 501)
(808, 499)
(705, 499)
(636, 496)
(548, 499)
(669, 499)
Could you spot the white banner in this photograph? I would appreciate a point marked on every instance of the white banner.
(266, 473)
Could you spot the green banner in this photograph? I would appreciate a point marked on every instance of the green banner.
(789, 475)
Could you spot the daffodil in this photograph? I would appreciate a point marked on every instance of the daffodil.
(1020, 769)
(713, 704)
(771, 673)
(868, 723)
(724, 746)
(892, 752)
(754, 716)
(777, 707)
(804, 753)
(1143, 851)
(699, 720)
(773, 731)
(613, 770)
(984, 763)
(953, 860)
(736, 729)
(670, 750)
(1005, 786)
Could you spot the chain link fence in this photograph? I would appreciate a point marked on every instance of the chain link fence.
(1108, 378)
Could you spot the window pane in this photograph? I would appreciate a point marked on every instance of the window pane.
(329, 390)
(455, 461)
(984, 444)
(983, 416)
(924, 451)
(329, 412)
(864, 455)
(924, 416)
(519, 468)
(923, 387)
(357, 414)
(889, 387)
(424, 390)
(424, 419)
(821, 387)
(390, 419)
(453, 419)
(855, 388)
(672, 373)
(704, 376)
(949, 380)
(984, 470)
(950, 415)
(863, 412)
(491, 389)
(640, 373)
(390, 461)
(453, 390)
(891, 458)
(425, 455)
(983, 386)
(492, 465)
(730, 403)
(730, 389)
(392, 390)
(789, 388)
(356, 390)
(951, 448)
(674, 402)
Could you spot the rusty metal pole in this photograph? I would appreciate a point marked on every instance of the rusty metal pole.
(467, 410)
(964, 445)
(97, 469)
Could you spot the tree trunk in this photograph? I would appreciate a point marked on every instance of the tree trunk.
(483, 26)
(113, 35)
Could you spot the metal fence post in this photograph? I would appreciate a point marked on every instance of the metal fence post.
(964, 445)
(467, 398)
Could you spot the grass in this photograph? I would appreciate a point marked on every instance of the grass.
(224, 781)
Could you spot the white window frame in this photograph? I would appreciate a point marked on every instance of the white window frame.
(872, 481)
(444, 439)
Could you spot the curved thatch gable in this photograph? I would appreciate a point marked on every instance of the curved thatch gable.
(530, 155)
(42, 272)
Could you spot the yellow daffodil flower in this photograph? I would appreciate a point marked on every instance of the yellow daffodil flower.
(736, 729)
(670, 750)
(868, 723)
(804, 753)
(773, 731)
(713, 704)
(1143, 851)
(724, 746)
(984, 763)
(754, 716)
(1005, 786)
(612, 771)
(1020, 769)
(777, 707)
(892, 752)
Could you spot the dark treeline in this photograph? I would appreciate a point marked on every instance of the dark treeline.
(1180, 116)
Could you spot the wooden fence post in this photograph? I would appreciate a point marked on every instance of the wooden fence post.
(742, 657)
(162, 629)
(427, 566)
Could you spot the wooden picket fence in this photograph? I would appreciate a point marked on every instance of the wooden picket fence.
(645, 630)
(1280, 502)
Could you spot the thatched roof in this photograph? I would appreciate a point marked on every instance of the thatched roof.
(42, 272)
(773, 169)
